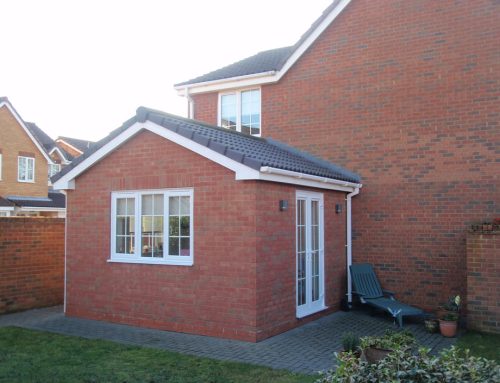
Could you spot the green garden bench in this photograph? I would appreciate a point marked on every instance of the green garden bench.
(367, 287)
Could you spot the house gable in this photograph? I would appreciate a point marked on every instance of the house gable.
(249, 158)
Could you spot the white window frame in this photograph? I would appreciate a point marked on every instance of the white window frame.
(58, 169)
(238, 108)
(179, 260)
(26, 167)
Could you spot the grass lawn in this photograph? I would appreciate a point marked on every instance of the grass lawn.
(485, 345)
(34, 356)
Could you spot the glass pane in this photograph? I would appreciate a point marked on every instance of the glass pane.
(185, 226)
(158, 204)
(174, 205)
(158, 225)
(146, 244)
(315, 212)
(120, 245)
(185, 206)
(255, 131)
(173, 246)
(147, 224)
(173, 227)
(147, 204)
(315, 292)
(184, 246)
(158, 246)
(245, 129)
(302, 236)
(228, 111)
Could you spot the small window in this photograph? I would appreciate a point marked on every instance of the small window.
(54, 169)
(25, 169)
(240, 111)
(152, 227)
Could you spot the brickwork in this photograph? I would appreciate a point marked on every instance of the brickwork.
(406, 94)
(13, 140)
(31, 263)
(483, 281)
(236, 238)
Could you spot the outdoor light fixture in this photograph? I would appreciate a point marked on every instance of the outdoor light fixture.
(283, 204)
(338, 208)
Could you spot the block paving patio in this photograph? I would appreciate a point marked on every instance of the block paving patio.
(306, 349)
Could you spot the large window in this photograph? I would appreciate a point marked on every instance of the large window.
(25, 169)
(154, 226)
(240, 111)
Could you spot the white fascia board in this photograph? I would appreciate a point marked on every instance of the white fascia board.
(264, 77)
(56, 149)
(37, 208)
(20, 122)
(6, 208)
(228, 83)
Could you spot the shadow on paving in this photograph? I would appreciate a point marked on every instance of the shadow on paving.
(306, 349)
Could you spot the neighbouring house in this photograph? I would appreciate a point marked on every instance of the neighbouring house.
(180, 225)
(404, 93)
(74, 146)
(28, 157)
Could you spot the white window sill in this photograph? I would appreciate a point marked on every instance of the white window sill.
(26, 182)
(153, 261)
(303, 314)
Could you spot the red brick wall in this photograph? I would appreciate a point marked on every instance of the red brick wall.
(406, 93)
(31, 263)
(483, 281)
(276, 284)
(218, 294)
(205, 107)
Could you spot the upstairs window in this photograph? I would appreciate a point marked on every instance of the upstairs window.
(240, 111)
(154, 226)
(25, 169)
(53, 169)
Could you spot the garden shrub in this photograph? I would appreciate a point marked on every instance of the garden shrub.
(449, 366)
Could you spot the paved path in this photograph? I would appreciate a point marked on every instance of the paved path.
(306, 349)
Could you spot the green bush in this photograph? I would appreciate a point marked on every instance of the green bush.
(402, 366)
(350, 341)
(389, 341)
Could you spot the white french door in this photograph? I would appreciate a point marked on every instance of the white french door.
(310, 253)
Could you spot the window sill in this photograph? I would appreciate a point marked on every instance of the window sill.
(151, 261)
(26, 182)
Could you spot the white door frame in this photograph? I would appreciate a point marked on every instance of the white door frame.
(310, 306)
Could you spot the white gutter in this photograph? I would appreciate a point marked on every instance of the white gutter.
(289, 173)
(190, 103)
(349, 242)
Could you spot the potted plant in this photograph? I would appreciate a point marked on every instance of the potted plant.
(350, 343)
(376, 348)
(448, 323)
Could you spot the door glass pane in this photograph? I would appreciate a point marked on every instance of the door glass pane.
(301, 253)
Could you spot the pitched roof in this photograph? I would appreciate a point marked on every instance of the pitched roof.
(81, 145)
(5, 203)
(268, 61)
(43, 139)
(253, 152)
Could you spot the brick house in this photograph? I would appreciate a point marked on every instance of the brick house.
(28, 157)
(404, 93)
(179, 225)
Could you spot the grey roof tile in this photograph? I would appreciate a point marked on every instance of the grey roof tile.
(254, 152)
(54, 200)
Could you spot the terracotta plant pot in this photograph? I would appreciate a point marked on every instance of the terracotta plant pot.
(448, 328)
(373, 354)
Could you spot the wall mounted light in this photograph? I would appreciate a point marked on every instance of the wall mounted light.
(338, 208)
(283, 204)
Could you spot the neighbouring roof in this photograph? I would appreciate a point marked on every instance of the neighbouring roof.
(54, 200)
(267, 61)
(5, 203)
(81, 145)
(254, 152)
